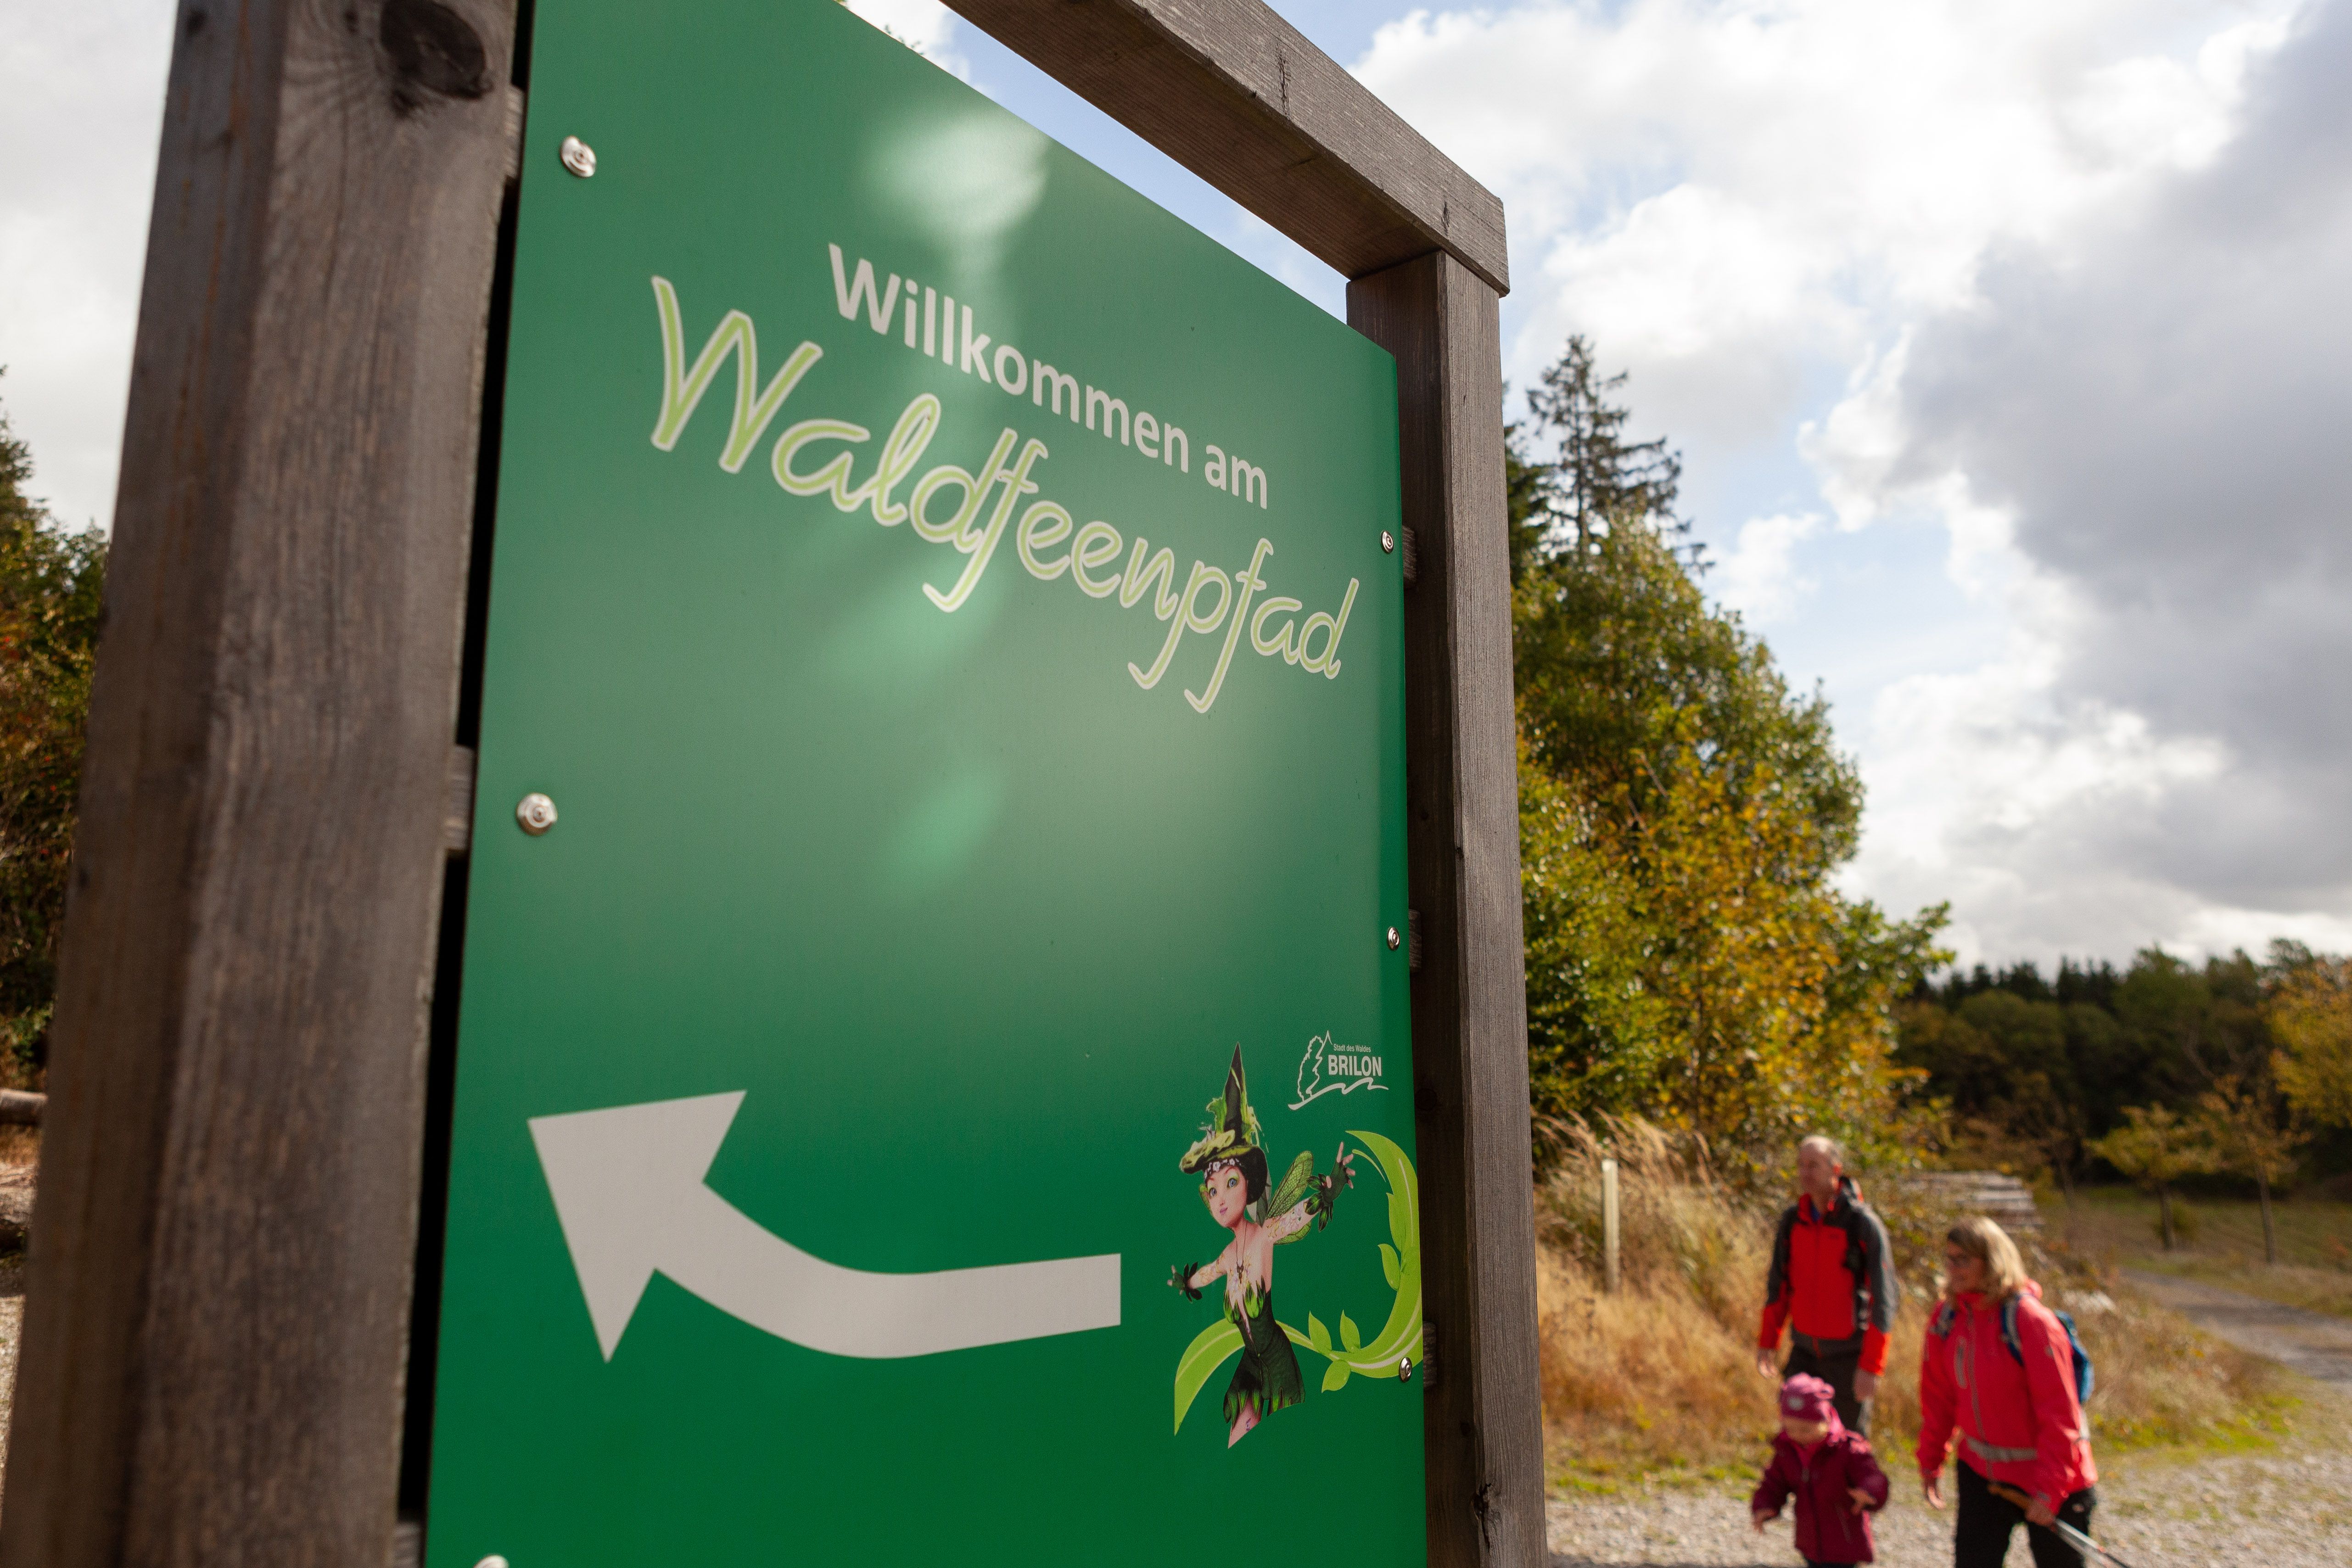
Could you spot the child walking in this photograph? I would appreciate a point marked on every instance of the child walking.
(1831, 1472)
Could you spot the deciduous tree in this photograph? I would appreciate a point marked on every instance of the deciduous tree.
(2251, 1133)
(50, 588)
(2310, 1018)
(2155, 1148)
(1681, 813)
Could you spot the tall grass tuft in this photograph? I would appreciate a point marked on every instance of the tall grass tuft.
(1661, 1375)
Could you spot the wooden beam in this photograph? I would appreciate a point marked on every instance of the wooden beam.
(1238, 95)
(457, 825)
(219, 1291)
(1483, 1423)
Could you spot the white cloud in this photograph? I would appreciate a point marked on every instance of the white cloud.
(2159, 412)
(2004, 267)
(81, 107)
(1759, 577)
(926, 24)
(1729, 193)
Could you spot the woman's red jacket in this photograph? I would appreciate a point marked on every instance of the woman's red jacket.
(2011, 1418)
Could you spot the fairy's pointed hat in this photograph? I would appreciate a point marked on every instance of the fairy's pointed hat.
(1232, 1129)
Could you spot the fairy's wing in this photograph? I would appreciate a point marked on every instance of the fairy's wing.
(1296, 1183)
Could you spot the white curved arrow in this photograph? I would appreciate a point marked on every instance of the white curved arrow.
(629, 1191)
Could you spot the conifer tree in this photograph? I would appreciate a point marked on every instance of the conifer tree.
(1681, 813)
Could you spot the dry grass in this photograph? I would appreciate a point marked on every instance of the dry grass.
(1661, 1377)
(1636, 1382)
(2325, 1291)
(20, 1145)
(2162, 1383)
(2313, 1233)
(2223, 1243)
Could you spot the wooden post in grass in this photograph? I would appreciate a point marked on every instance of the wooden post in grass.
(1609, 1224)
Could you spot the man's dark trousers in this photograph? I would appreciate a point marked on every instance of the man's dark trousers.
(1834, 1362)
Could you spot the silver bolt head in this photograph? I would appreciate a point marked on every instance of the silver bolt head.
(536, 813)
(1388, 542)
(1394, 941)
(1404, 1373)
(492, 1560)
(579, 157)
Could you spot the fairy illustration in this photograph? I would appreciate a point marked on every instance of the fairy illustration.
(1231, 1157)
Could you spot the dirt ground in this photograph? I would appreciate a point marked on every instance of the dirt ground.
(2318, 1345)
(2289, 1506)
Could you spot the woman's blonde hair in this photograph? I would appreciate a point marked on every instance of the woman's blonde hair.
(1981, 1238)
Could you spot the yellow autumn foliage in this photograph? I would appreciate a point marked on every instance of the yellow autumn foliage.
(2310, 1016)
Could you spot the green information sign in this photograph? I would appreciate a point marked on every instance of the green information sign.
(933, 1080)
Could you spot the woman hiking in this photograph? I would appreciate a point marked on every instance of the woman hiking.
(1997, 1374)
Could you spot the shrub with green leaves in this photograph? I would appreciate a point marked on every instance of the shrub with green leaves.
(51, 588)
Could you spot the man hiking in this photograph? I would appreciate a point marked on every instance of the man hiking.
(1831, 1285)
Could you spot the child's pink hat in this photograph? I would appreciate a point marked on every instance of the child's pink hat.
(1806, 1397)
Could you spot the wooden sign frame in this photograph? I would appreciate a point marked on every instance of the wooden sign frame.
(239, 1190)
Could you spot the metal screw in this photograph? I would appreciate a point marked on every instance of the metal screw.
(492, 1560)
(1405, 1372)
(537, 815)
(1394, 939)
(580, 159)
(1388, 541)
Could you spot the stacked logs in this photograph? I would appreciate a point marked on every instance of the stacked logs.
(17, 1108)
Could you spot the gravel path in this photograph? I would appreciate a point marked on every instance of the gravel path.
(2312, 1343)
(2289, 1509)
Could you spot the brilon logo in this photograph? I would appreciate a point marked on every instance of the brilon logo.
(1328, 1069)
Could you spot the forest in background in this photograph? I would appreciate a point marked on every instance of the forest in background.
(2167, 1072)
(1690, 963)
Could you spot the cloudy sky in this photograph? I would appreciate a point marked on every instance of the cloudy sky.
(2006, 344)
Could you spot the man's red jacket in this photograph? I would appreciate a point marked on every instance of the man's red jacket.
(1832, 1277)
(2016, 1417)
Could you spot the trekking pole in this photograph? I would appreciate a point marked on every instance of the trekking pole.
(2074, 1537)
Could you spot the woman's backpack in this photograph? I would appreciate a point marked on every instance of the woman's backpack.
(2085, 1376)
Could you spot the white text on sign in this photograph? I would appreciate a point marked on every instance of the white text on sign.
(1210, 600)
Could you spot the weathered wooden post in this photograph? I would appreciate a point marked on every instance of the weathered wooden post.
(1609, 1224)
(219, 1297)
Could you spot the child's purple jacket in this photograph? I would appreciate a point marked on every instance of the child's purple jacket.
(1828, 1530)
